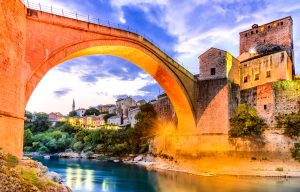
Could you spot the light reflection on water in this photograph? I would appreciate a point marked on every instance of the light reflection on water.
(92, 176)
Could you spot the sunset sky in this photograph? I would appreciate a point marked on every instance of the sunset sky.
(184, 28)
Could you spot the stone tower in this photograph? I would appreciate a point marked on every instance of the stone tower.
(269, 37)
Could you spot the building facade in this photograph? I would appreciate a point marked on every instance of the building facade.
(255, 77)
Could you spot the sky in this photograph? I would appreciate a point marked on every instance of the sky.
(182, 28)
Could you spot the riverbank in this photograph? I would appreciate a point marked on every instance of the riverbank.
(204, 166)
(27, 175)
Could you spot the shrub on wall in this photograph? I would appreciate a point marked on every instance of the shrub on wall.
(290, 123)
(246, 122)
(296, 151)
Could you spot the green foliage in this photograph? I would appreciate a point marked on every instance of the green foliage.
(92, 111)
(246, 122)
(72, 113)
(41, 123)
(43, 149)
(78, 146)
(11, 160)
(279, 169)
(290, 123)
(27, 137)
(115, 142)
(296, 151)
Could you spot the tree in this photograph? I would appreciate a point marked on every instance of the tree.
(246, 122)
(41, 123)
(146, 119)
(290, 123)
(92, 111)
(27, 138)
(72, 113)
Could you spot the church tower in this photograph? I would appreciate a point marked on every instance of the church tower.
(73, 105)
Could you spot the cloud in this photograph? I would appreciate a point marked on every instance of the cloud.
(62, 92)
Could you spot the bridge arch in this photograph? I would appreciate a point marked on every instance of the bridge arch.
(135, 52)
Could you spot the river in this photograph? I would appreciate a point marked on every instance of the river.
(96, 176)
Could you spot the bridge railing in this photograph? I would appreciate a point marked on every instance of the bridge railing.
(98, 21)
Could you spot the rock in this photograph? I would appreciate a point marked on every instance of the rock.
(68, 150)
(149, 158)
(42, 170)
(54, 176)
(69, 155)
(138, 158)
(47, 157)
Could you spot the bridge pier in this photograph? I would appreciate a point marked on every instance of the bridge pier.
(13, 72)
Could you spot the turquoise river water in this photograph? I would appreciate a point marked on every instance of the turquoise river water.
(96, 176)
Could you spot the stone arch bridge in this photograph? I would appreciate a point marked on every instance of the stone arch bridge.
(33, 42)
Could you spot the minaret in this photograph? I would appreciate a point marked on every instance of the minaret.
(73, 106)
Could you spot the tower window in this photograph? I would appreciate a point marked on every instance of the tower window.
(256, 77)
(282, 57)
(245, 79)
(268, 74)
(213, 71)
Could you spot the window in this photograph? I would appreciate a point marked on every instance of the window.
(268, 73)
(282, 57)
(251, 32)
(269, 27)
(256, 31)
(246, 35)
(265, 107)
(256, 77)
(281, 23)
(245, 79)
(212, 71)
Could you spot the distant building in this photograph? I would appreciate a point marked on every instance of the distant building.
(73, 105)
(80, 112)
(105, 108)
(141, 102)
(112, 110)
(132, 112)
(123, 104)
(55, 116)
(114, 120)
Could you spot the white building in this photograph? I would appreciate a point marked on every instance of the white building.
(114, 120)
(132, 112)
(80, 112)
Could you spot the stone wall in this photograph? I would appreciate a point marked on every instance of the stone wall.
(287, 96)
(213, 106)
